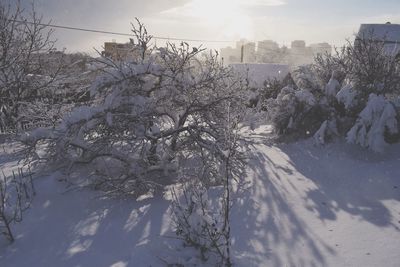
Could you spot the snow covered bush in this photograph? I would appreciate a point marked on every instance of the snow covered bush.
(305, 76)
(164, 116)
(326, 132)
(367, 65)
(202, 214)
(16, 194)
(378, 117)
(199, 222)
(343, 86)
(372, 77)
(272, 87)
(294, 111)
(300, 109)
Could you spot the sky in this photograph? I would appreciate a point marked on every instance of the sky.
(314, 21)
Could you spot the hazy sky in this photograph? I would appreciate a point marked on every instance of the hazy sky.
(280, 20)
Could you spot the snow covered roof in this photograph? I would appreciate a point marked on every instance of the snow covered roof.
(258, 73)
(387, 32)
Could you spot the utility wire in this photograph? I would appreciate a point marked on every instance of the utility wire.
(121, 33)
(127, 34)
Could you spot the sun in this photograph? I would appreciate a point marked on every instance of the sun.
(225, 16)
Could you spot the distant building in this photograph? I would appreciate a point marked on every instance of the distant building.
(249, 52)
(117, 51)
(387, 33)
(321, 48)
(121, 51)
(298, 46)
(268, 45)
(300, 54)
(230, 55)
(268, 51)
(234, 55)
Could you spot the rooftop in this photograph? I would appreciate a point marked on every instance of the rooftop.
(388, 32)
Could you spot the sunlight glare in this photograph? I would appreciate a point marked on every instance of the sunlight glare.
(226, 15)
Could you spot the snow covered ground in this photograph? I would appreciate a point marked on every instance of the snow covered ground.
(305, 205)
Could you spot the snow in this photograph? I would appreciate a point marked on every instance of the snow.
(327, 129)
(304, 205)
(319, 136)
(332, 88)
(346, 96)
(38, 133)
(305, 96)
(80, 113)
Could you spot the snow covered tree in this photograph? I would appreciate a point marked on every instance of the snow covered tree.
(154, 120)
(24, 48)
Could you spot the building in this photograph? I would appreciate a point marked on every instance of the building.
(249, 52)
(267, 45)
(243, 52)
(387, 33)
(298, 47)
(230, 55)
(300, 54)
(121, 51)
(321, 48)
(268, 51)
(117, 50)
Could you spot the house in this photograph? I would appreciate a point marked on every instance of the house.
(387, 33)
(122, 51)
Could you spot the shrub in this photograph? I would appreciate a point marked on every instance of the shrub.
(344, 86)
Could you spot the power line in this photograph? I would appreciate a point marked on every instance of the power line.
(131, 35)
(121, 33)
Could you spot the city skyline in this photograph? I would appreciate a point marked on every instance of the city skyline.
(255, 20)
